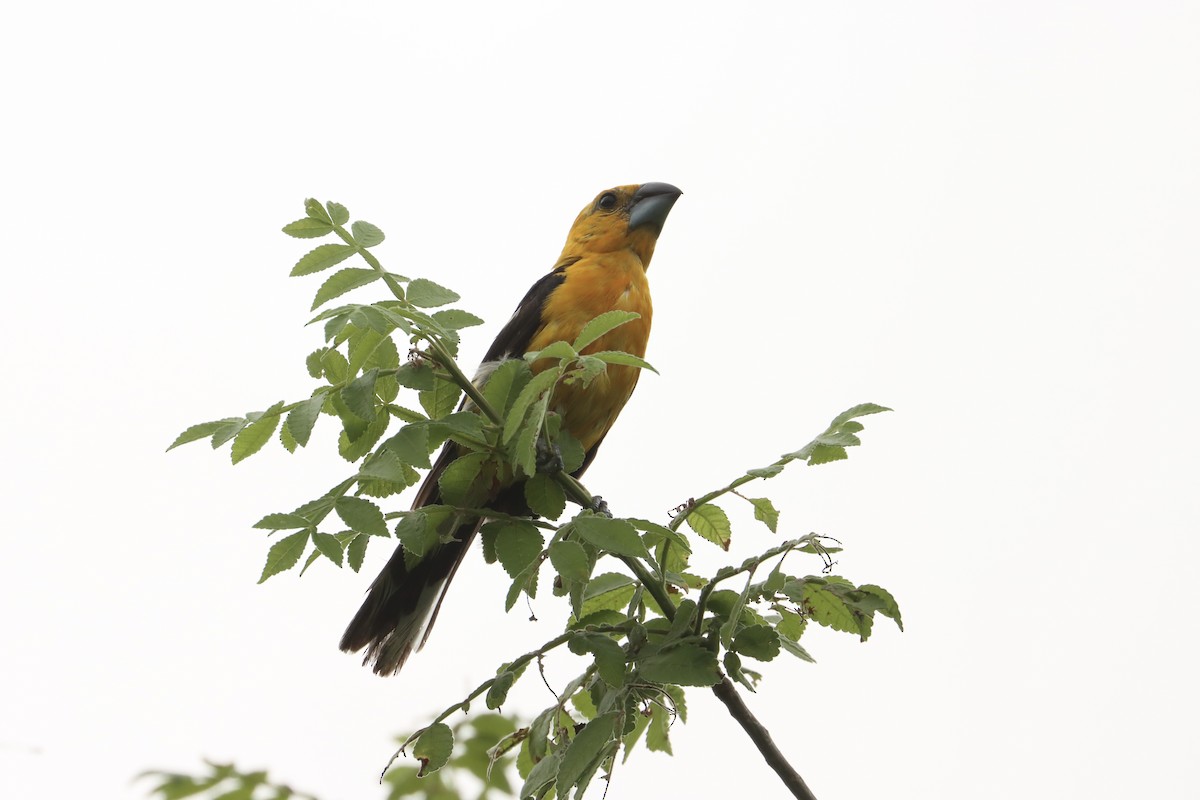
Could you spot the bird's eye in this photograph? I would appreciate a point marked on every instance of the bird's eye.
(607, 201)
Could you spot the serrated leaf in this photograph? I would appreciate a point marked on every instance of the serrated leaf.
(624, 359)
(329, 546)
(417, 533)
(411, 445)
(335, 365)
(612, 535)
(308, 228)
(518, 544)
(822, 605)
(252, 437)
(610, 656)
(757, 641)
(764, 512)
(338, 213)
(286, 439)
(315, 210)
(353, 450)
(539, 384)
(684, 664)
(658, 734)
(342, 281)
(586, 750)
(384, 466)
(888, 608)
(427, 294)
(601, 325)
(824, 454)
(284, 554)
(302, 418)
(322, 257)
(795, 649)
(366, 234)
(861, 410)
(356, 551)
(359, 395)
(361, 515)
(433, 748)
(440, 400)
(282, 522)
(765, 472)
(203, 430)
(570, 561)
(711, 523)
(454, 319)
(525, 582)
(498, 692)
(544, 496)
(558, 350)
(458, 480)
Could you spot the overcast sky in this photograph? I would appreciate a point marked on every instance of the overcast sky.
(983, 215)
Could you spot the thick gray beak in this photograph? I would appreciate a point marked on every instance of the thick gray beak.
(651, 204)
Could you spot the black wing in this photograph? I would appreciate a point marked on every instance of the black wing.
(514, 338)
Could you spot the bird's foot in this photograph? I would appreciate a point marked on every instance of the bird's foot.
(548, 458)
(600, 507)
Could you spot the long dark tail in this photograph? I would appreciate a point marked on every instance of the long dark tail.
(398, 613)
(402, 602)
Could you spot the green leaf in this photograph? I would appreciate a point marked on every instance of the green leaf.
(570, 561)
(498, 692)
(342, 281)
(624, 359)
(541, 776)
(359, 395)
(364, 441)
(284, 554)
(822, 605)
(824, 454)
(322, 257)
(252, 438)
(357, 551)
(610, 656)
(202, 430)
(888, 608)
(329, 546)
(541, 383)
(308, 228)
(361, 515)
(661, 532)
(366, 234)
(558, 350)
(433, 748)
(229, 430)
(316, 211)
(335, 366)
(427, 294)
(795, 649)
(411, 445)
(459, 478)
(765, 472)
(586, 750)
(416, 375)
(338, 213)
(608, 591)
(612, 535)
(302, 418)
(505, 381)
(416, 532)
(544, 496)
(711, 523)
(757, 641)
(684, 664)
(601, 325)
(764, 512)
(384, 466)
(282, 522)
(861, 410)
(525, 582)
(572, 451)
(454, 319)
(441, 400)
(518, 544)
(657, 736)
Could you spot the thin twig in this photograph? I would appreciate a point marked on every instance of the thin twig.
(761, 737)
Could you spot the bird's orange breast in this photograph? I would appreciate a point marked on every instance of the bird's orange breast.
(592, 287)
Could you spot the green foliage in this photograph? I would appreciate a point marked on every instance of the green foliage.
(480, 747)
(643, 632)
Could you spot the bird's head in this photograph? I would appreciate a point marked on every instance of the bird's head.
(624, 217)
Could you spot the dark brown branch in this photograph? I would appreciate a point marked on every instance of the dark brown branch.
(761, 737)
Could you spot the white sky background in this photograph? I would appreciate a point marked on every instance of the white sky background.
(981, 214)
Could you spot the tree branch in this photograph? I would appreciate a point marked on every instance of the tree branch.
(761, 737)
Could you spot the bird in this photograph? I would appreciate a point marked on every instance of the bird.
(602, 268)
